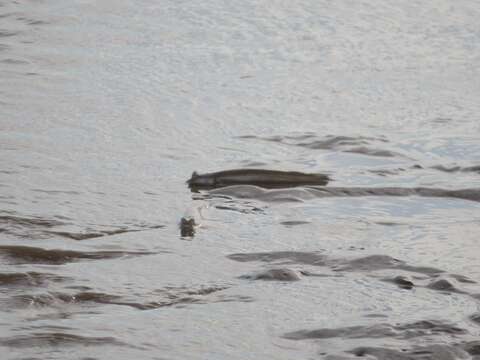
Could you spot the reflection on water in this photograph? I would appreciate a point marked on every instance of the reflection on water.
(106, 108)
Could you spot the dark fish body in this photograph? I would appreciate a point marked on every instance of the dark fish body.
(263, 178)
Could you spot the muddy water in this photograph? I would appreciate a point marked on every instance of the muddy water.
(106, 109)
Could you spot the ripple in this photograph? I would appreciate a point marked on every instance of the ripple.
(46, 339)
(28, 279)
(6, 33)
(455, 169)
(28, 221)
(286, 257)
(405, 331)
(362, 145)
(38, 227)
(312, 192)
(430, 352)
(167, 297)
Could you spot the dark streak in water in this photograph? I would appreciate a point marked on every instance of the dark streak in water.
(28, 279)
(463, 279)
(294, 223)
(287, 257)
(279, 274)
(92, 235)
(358, 145)
(34, 255)
(454, 169)
(35, 227)
(430, 352)
(363, 150)
(54, 192)
(380, 262)
(368, 263)
(170, 297)
(56, 339)
(11, 61)
(28, 222)
(405, 331)
(475, 318)
(309, 192)
(6, 33)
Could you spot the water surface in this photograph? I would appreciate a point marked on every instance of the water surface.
(106, 109)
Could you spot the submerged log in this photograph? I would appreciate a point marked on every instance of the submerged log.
(268, 179)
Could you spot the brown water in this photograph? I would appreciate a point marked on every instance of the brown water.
(106, 108)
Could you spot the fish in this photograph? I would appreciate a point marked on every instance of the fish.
(268, 179)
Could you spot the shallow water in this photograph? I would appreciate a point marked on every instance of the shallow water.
(106, 109)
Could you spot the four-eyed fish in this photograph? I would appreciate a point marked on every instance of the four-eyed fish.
(263, 178)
